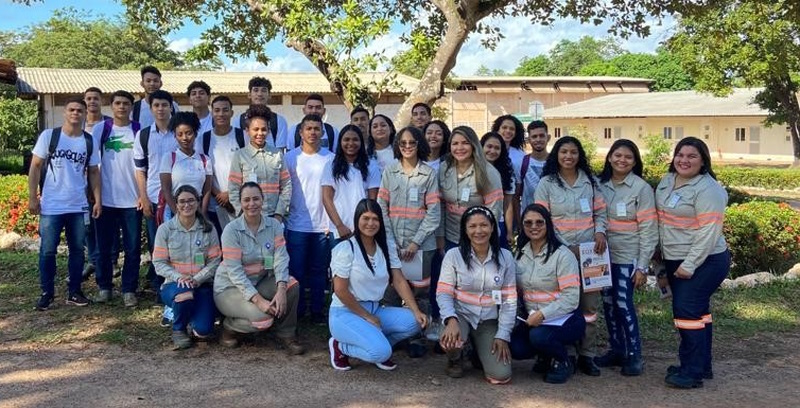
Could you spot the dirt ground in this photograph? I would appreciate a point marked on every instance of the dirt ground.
(758, 372)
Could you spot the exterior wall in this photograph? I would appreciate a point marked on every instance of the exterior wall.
(719, 133)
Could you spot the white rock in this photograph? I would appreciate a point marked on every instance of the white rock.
(729, 284)
(27, 244)
(754, 279)
(9, 240)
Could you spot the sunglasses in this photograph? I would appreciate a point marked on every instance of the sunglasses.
(531, 223)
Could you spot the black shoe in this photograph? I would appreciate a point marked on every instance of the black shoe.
(417, 348)
(708, 375)
(44, 302)
(678, 380)
(588, 367)
(559, 372)
(632, 366)
(88, 271)
(542, 365)
(319, 319)
(610, 359)
(77, 299)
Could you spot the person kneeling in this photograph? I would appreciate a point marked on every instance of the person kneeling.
(187, 255)
(253, 289)
(360, 326)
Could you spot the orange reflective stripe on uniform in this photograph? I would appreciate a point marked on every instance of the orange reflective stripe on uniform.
(292, 282)
(421, 283)
(568, 281)
(383, 194)
(160, 253)
(707, 319)
(445, 288)
(473, 299)
(253, 268)
(540, 296)
(407, 212)
(455, 209)
(689, 324)
(213, 252)
(544, 204)
(235, 177)
(186, 268)
(579, 224)
(646, 215)
(709, 218)
(431, 198)
(590, 318)
(493, 196)
(280, 241)
(677, 222)
(599, 203)
(231, 253)
(622, 225)
(269, 188)
(285, 174)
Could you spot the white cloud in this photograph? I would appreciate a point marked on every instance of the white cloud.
(183, 44)
(291, 62)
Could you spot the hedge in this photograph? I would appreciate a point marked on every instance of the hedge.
(14, 215)
(762, 236)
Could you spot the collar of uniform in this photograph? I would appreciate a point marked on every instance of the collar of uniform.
(175, 224)
(454, 169)
(241, 225)
(628, 181)
(528, 251)
(180, 155)
(582, 179)
(474, 256)
(252, 150)
(671, 177)
(420, 168)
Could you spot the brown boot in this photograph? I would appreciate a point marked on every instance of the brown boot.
(291, 345)
(454, 367)
(228, 338)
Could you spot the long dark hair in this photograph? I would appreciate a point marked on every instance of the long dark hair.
(370, 205)
(186, 188)
(607, 172)
(553, 243)
(340, 166)
(519, 130)
(704, 154)
(464, 244)
(422, 145)
(445, 136)
(503, 162)
(551, 166)
(371, 141)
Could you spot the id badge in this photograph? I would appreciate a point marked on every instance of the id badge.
(199, 259)
(413, 194)
(497, 297)
(269, 262)
(622, 210)
(464, 194)
(673, 200)
(585, 205)
(86, 218)
(252, 177)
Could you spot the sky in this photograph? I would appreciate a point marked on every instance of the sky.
(521, 38)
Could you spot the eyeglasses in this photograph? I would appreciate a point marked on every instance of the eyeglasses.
(408, 143)
(188, 201)
(531, 223)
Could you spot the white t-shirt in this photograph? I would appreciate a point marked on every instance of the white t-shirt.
(221, 150)
(146, 115)
(187, 170)
(327, 141)
(348, 262)
(64, 189)
(385, 157)
(347, 193)
(516, 156)
(206, 124)
(434, 164)
(532, 177)
(159, 144)
(306, 212)
(117, 169)
(272, 142)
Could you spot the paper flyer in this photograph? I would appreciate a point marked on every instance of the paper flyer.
(595, 268)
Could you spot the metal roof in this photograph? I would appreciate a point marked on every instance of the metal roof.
(661, 104)
(553, 79)
(75, 81)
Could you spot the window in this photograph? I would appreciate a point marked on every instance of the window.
(740, 134)
(557, 132)
(678, 132)
(606, 133)
(667, 132)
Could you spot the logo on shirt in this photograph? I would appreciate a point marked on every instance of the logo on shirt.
(116, 144)
(71, 156)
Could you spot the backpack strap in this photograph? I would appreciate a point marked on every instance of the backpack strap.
(329, 132)
(135, 126)
(206, 141)
(297, 140)
(51, 150)
(239, 133)
(273, 127)
(144, 141)
(526, 162)
(241, 121)
(108, 124)
(137, 110)
(89, 147)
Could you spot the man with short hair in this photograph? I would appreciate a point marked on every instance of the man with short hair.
(314, 105)
(260, 89)
(532, 164)
(307, 234)
(360, 117)
(151, 144)
(151, 82)
(115, 140)
(93, 97)
(63, 158)
(199, 93)
(420, 115)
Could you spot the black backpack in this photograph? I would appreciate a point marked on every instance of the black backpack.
(328, 131)
(238, 132)
(108, 124)
(51, 150)
(137, 110)
(273, 125)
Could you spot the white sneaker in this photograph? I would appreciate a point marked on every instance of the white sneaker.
(103, 296)
(129, 299)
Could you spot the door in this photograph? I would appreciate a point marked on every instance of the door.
(755, 140)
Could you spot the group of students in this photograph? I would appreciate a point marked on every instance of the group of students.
(245, 217)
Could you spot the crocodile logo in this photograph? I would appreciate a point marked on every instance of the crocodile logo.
(116, 144)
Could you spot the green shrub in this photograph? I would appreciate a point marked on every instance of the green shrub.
(588, 141)
(14, 206)
(767, 178)
(762, 236)
(18, 123)
(659, 151)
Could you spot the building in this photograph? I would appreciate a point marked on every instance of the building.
(51, 87)
(732, 126)
(477, 101)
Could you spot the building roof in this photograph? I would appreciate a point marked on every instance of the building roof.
(661, 104)
(75, 81)
(553, 79)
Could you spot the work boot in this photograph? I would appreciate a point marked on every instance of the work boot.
(228, 338)
(633, 366)
(559, 372)
(587, 366)
(454, 367)
(610, 359)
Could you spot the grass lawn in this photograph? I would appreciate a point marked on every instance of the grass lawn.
(739, 314)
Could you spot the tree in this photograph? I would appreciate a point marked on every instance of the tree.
(483, 70)
(333, 34)
(533, 66)
(747, 42)
(72, 39)
(663, 67)
(567, 58)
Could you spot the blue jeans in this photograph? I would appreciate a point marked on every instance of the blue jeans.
(154, 279)
(200, 311)
(436, 270)
(547, 341)
(620, 313)
(50, 227)
(691, 309)
(108, 226)
(361, 339)
(309, 259)
(92, 248)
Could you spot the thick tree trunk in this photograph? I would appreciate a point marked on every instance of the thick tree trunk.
(787, 97)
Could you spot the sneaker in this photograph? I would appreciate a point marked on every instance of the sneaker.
(228, 338)
(673, 369)
(88, 271)
(339, 360)
(454, 368)
(44, 302)
(291, 345)
(678, 380)
(387, 365)
(434, 330)
(588, 367)
(165, 322)
(559, 372)
(181, 340)
(542, 365)
(103, 296)
(77, 299)
(129, 299)
(610, 359)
